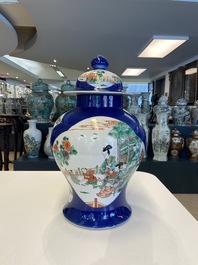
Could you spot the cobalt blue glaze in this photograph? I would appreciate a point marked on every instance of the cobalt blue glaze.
(99, 62)
(98, 146)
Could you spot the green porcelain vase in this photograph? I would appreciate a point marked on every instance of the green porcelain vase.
(65, 102)
(40, 102)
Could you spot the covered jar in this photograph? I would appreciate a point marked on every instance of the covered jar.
(192, 146)
(40, 102)
(181, 113)
(176, 144)
(63, 101)
(98, 146)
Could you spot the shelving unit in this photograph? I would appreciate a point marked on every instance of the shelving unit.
(178, 175)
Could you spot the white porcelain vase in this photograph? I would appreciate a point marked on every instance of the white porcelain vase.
(161, 137)
(133, 107)
(145, 106)
(47, 145)
(143, 119)
(32, 139)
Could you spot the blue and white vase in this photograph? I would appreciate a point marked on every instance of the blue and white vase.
(40, 102)
(98, 146)
(181, 113)
(32, 140)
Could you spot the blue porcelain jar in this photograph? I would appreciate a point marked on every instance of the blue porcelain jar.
(98, 146)
(40, 102)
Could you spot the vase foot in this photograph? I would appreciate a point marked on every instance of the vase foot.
(98, 219)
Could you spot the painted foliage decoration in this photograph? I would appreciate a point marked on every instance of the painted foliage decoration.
(103, 166)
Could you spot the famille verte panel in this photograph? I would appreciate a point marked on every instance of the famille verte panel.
(98, 155)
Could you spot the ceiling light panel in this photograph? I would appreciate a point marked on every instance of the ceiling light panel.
(191, 71)
(9, 1)
(133, 71)
(58, 71)
(193, 1)
(161, 46)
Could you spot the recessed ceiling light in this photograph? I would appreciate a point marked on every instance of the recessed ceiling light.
(160, 46)
(59, 72)
(193, 1)
(191, 71)
(133, 71)
(54, 61)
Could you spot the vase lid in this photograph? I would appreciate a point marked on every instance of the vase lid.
(99, 79)
(181, 102)
(67, 86)
(163, 100)
(175, 132)
(194, 134)
(39, 86)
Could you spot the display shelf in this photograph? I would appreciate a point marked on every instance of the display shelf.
(41, 163)
(178, 175)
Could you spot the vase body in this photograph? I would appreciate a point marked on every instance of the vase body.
(192, 146)
(181, 113)
(176, 144)
(47, 144)
(65, 102)
(145, 106)
(32, 140)
(161, 137)
(40, 102)
(98, 146)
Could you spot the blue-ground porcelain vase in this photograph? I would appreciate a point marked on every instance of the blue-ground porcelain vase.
(40, 102)
(98, 146)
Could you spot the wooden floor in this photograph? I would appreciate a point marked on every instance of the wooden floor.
(189, 201)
